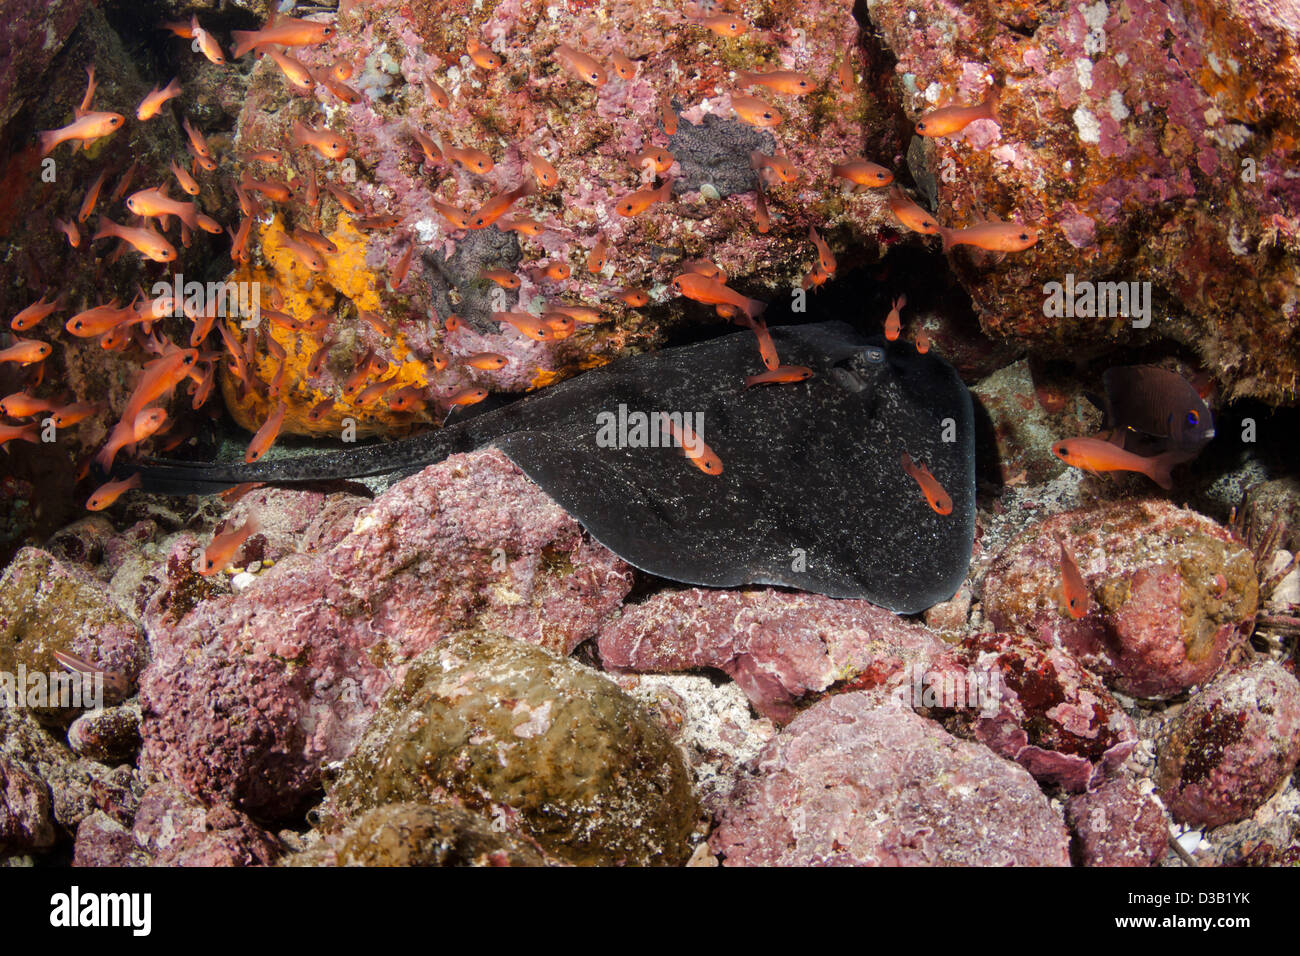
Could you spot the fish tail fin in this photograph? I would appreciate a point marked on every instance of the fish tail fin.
(946, 235)
(245, 40)
(107, 229)
(901, 301)
(47, 141)
(754, 308)
(1159, 469)
(666, 190)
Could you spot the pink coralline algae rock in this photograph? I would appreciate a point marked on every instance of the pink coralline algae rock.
(1227, 751)
(776, 645)
(405, 52)
(1148, 141)
(173, 829)
(26, 820)
(858, 780)
(1045, 712)
(35, 31)
(1171, 592)
(1117, 825)
(250, 692)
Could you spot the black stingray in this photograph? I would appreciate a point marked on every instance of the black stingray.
(812, 494)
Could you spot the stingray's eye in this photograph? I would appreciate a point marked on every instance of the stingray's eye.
(1193, 418)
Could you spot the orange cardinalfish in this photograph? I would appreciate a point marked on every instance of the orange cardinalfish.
(70, 230)
(92, 196)
(378, 221)
(893, 323)
(725, 25)
(403, 267)
(325, 141)
(85, 129)
(633, 204)
(922, 341)
(766, 347)
(487, 361)
(304, 253)
(634, 298)
(762, 219)
(560, 323)
(754, 111)
(407, 399)
(1095, 455)
(698, 453)
(435, 91)
(453, 214)
(780, 167)
(265, 437)
(668, 114)
(160, 377)
(466, 395)
(1078, 599)
(27, 433)
(69, 415)
(825, 258)
(660, 160)
(348, 201)
(993, 236)
(863, 172)
(527, 324)
(543, 171)
(232, 496)
(911, 215)
(779, 81)
(275, 190)
(625, 68)
(498, 205)
(580, 65)
(281, 32)
(473, 160)
(711, 292)
(502, 277)
(97, 321)
(155, 203)
(579, 313)
(22, 405)
(144, 240)
(206, 43)
(953, 119)
(26, 352)
(198, 144)
(427, 146)
(780, 375)
(221, 550)
(483, 57)
(597, 257)
(106, 494)
(554, 271)
(930, 487)
(295, 71)
(844, 73)
(522, 225)
(154, 100)
(186, 181)
(34, 314)
(130, 432)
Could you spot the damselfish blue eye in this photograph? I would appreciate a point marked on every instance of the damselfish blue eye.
(1193, 418)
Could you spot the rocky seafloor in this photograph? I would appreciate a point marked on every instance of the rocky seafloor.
(450, 670)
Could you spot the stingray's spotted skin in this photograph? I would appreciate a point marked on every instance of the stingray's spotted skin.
(812, 495)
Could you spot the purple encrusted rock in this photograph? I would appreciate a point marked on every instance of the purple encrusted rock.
(26, 820)
(1229, 748)
(250, 693)
(776, 645)
(1170, 592)
(859, 780)
(1118, 825)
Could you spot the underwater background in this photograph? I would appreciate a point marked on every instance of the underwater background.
(645, 433)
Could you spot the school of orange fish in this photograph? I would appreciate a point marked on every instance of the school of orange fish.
(117, 326)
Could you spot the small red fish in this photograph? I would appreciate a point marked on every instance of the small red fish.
(498, 205)
(623, 67)
(1095, 455)
(542, 170)
(186, 181)
(780, 167)
(483, 57)
(468, 395)
(85, 129)
(911, 215)
(70, 230)
(106, 494)
(993, 236)
(34, 314)
(468, 158)
(266, 435)
(526, 323)
(893, 322)
(779, 81)
(92, 196)
(26, 352)
(154, 100)
(633, 204)
(453, 214)
(580, 65)
(1078, 599)
(766, 347)
(953, 119)
(487, 361)
(698, 453)
(863, 172)
(502, 277)
(754, 111)
(285, 31)
(596, 258)
(657, 159)
(930, 487)
(221, 550)
(922, 341)
(780, 375)
(325, 141)
(725, 25)
(207, 43)
(635, 298)
(711, 292)
(554, 271)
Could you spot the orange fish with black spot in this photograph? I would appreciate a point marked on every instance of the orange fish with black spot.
(697, 453)
(1078, 599)
(930, 487)
(221, 551)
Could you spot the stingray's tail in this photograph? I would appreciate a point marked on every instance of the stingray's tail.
(168, 477)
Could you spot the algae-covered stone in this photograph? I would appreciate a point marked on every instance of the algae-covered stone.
(413, 834)
(548, 745)
(48, 606)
